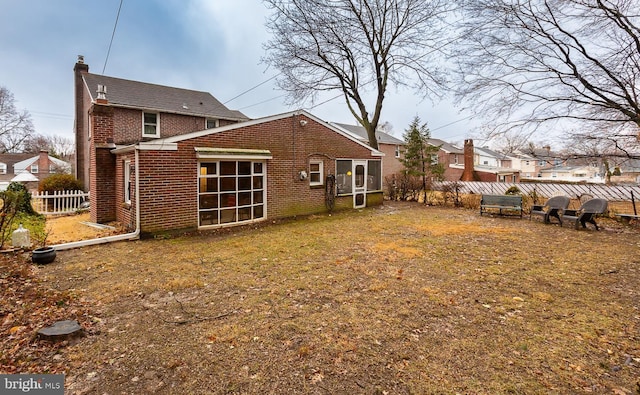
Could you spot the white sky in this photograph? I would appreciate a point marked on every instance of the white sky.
(207, 45)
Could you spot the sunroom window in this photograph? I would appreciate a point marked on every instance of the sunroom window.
(230, 192)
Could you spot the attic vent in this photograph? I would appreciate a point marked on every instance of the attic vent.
(102, 92)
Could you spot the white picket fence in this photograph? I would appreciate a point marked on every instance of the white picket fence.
(58, 202)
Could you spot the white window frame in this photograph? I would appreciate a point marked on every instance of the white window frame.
(216, 123)
(397, 153)
(126, 168)
(258, 170)
(320, 172)
(3, 168)
(156, 124)
(34, 168)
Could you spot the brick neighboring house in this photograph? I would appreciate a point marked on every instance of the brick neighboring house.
(189, 177)
(449, 156)
(483, 164)
(39, 166)
(391, 147)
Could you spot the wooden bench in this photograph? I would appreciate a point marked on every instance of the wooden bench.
(508, 203)
(626, 218)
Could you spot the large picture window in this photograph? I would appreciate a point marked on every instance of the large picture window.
(231, 192)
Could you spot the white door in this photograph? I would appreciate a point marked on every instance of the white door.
(359, 183)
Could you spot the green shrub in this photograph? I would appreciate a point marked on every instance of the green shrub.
(21, 200)
(60, 182)
(514, 190)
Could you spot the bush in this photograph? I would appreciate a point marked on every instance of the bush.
(60, 182)
(22, 198)
(514, 190)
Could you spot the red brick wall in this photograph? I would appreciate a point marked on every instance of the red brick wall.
(125, 213)
(390, 164)
(102, 166)
(128, 125)
(168, 179)
(81, 125)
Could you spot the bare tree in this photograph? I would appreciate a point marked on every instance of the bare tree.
(526, 63)
(57, 146)
(15, 126)
(356, 47)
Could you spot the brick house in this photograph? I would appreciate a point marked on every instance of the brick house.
(482, 164)
(40, 166)
(178, 174)
(391, 147)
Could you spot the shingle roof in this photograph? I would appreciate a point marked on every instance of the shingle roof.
(161, 98)
(361, 133)
(11, 159)
(450, 148)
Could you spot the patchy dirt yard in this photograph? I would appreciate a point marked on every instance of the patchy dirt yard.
(64, 229)
(394, 300)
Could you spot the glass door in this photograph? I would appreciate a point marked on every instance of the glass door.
(359, 183)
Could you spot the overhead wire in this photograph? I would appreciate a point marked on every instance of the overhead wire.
(252, 88)
(115, 25)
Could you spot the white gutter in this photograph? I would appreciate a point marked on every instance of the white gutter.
(135, 235)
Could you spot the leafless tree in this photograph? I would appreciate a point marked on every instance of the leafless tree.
(15, 126)
(57, 146)
(356, 47)
(527, 63)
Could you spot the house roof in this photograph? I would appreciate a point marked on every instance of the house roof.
(11, 159)
(360, 133)
(169, 143)
(22, 165)
(446, 147)
(24, 177)
(136, 94)
(490, 152)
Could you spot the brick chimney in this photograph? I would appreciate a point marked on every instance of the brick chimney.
(469, 172)
(81, 122)
(43, 164)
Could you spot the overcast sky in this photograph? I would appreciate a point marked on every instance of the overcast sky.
(207, 45)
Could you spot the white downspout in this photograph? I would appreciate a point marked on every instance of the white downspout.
(135, 235)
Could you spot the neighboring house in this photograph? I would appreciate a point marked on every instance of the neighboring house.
(527, 164)
(236, 173)
(390, 146)
(483, 164)
(629, 172)
(449, 156)
(38, 167)
(546, 159)
(572, 174)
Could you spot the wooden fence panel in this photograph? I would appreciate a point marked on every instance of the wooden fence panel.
(619, 193)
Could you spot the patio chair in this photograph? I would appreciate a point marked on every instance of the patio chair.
(554, 207)
(587, 212)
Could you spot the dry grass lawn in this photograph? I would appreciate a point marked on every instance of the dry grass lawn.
(402, 299)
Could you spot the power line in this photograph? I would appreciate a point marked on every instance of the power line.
(250, 89)
(451, 123)
(112, 35)
(262, 102)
